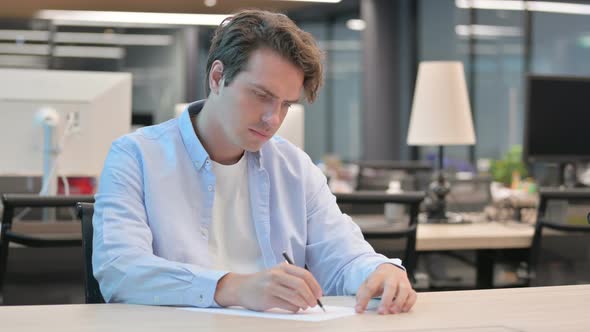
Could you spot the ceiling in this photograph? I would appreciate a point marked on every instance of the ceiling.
(27, 8)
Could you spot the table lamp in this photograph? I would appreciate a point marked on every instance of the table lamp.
(440, 116)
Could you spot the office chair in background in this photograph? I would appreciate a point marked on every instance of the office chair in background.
(30, 238)
(376, 174)
(390, 231)
(92, 292)
(562, 232)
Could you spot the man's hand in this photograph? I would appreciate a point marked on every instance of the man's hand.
(393, 285)
(284, 286)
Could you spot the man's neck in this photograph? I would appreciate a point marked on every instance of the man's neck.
(211, 135)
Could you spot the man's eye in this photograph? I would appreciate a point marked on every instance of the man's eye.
(261, 95)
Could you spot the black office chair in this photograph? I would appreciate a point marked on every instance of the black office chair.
(390, 231)
(546, 221)
(91, 289)
(8, 235)
(470, 194)
(412, 171)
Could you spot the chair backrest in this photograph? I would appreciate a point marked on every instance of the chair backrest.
(471, 194)
(91, 288)
(10, 203)
(545, 219)
(410, 199)
(409, 172)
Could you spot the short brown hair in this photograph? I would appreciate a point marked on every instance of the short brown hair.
(246, 31)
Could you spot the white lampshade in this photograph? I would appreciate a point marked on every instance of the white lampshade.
(440, 111)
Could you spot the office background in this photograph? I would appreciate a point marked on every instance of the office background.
(372, 51)
(372, 48)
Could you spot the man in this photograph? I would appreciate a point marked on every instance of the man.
(197, 211)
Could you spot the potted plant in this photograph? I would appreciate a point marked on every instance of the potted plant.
(510, 168)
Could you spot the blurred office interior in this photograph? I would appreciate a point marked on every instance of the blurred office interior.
(357, 129)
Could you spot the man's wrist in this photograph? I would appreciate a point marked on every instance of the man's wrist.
(226, 293)
(398, 267)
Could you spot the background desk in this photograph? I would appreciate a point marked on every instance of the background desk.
(475, 236)
(561, 308)
(484, 238)
(478, 236)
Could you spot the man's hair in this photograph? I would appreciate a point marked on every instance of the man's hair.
(247, 31)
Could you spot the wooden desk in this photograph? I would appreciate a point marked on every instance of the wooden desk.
(476, 236)
(561, 308)
(492, 235)
(484, 238)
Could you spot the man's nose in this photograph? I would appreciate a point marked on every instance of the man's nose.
(271, 116)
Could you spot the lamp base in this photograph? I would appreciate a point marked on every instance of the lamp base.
(435, 202)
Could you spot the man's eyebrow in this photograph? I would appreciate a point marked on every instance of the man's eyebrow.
(268, 92)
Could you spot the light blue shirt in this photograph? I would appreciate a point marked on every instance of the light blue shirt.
(154, 208)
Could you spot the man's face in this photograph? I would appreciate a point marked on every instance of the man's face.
(253, 106)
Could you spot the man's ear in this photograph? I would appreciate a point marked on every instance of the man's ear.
(216, 76)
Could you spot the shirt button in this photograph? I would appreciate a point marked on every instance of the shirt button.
(207, 162)
(210, 188)
(200, 298)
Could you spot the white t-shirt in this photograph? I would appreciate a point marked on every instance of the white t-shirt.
(232, 237)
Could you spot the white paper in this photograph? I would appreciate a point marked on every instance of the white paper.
(314, 314)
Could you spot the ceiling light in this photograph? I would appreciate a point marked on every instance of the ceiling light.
(24, 35)
(356, 24)
(559, 7)
(23, 61)
(487, 31)
(31, 49)
(112, 38)
(490, 4)
(65, 17)
(89, 52)
(538, 6)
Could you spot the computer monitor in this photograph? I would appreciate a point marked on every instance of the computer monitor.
(98, 105)
(557, 120)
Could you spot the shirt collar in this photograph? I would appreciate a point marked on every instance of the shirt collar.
(193, 145)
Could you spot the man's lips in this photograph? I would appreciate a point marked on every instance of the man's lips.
(259, 133)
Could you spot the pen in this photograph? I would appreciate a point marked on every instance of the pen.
(291, 262)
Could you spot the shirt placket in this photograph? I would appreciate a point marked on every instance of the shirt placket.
(209, 194)
(259, 185)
